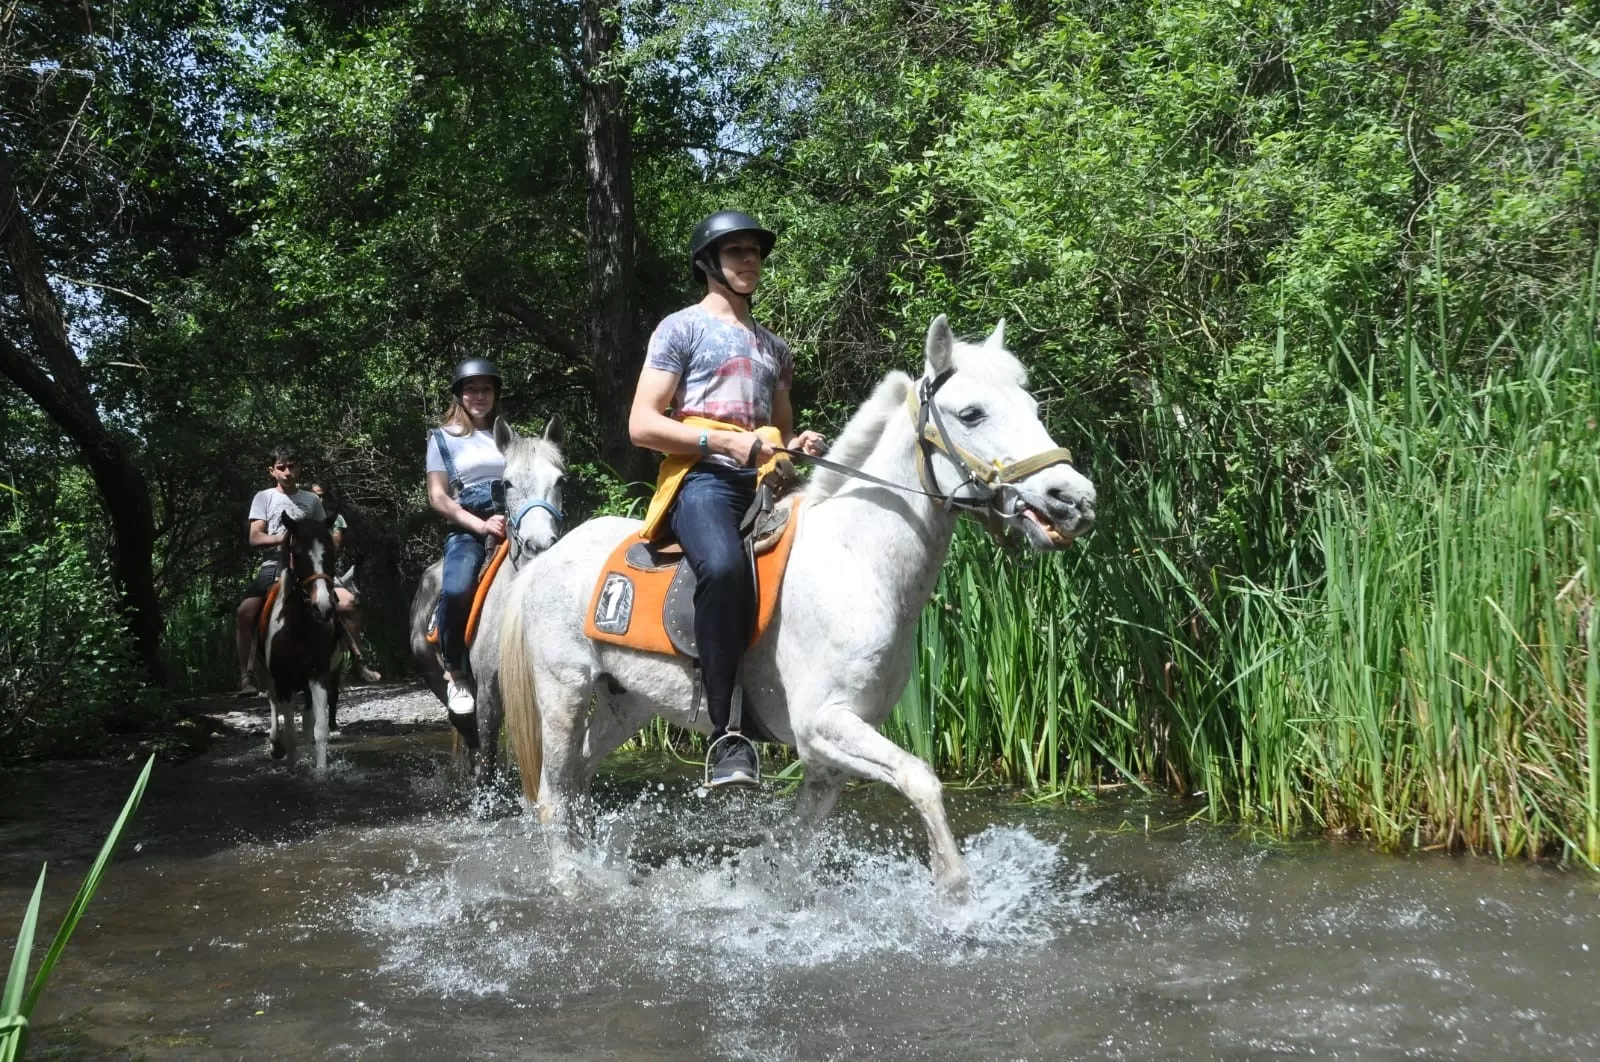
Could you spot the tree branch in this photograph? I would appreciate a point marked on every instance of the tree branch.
(539, 326)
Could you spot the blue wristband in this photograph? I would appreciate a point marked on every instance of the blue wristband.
(705, 444)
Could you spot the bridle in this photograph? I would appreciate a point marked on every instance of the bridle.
(992, 483)
(302, 583)
(516, 521)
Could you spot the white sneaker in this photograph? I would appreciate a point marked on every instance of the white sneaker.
(458, 698)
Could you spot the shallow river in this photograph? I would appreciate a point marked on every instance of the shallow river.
(259, 913)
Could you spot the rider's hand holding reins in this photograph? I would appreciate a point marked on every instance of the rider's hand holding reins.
(812, 442)
(495, 526)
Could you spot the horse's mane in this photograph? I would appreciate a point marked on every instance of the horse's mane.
(860, 436)
(544, 450)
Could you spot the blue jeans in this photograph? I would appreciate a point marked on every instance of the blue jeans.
(463, 556)
(705, 518)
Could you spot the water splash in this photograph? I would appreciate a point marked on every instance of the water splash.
(675, 890)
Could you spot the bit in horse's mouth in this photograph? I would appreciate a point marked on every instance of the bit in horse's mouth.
(1040, 531)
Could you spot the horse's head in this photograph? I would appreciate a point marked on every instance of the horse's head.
(309, 550)
(534, 473)
(983, 445)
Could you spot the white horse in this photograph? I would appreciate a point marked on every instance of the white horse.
(836, 657)
(535, 471)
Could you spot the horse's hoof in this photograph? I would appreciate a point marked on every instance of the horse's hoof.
(278, 751)
(955, 890)
(466, 724)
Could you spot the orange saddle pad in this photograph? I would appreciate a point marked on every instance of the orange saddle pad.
(479, 596)
(644, 598)
(266, 608)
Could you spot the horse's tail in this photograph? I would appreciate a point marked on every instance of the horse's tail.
(524, 723)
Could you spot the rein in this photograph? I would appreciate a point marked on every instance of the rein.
(989, 480)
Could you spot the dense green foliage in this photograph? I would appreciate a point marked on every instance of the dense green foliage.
(1308, 288)
(64, 656)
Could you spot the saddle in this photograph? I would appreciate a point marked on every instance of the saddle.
(644, 597)
(479, 596)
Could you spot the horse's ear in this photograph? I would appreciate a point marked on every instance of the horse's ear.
(555, 431)
(504, 434)
(997, 338)
(941, 342)
(291, 525)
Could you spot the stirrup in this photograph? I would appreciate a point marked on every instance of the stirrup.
(731, 735)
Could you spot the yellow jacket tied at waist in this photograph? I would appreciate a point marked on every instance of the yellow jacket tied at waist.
(675, 466)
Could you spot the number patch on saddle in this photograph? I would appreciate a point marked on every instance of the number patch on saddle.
(643, 597)
(613, 609)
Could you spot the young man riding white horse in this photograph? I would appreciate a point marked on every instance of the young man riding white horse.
(714, 362)
(873, 530)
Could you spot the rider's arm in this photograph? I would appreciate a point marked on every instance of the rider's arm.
(259, 539)
(783, 416)
(449, 508)
(650, 427)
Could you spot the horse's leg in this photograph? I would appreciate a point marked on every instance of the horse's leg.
(317, 713)
(837, 738)
(333, 699)
(564, 707)
(280, 723)
(819, 791)
(485, 762)
(275, 722)
(615, 719)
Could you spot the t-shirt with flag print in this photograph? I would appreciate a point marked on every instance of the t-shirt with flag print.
(725, 371)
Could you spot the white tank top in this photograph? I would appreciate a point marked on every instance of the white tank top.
(477, 458)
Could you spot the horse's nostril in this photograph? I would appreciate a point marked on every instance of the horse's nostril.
(1066, 498)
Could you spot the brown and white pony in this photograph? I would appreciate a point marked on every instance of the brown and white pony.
(298, 648)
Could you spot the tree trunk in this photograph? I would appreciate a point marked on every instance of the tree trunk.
(58, 387)
(614, 349)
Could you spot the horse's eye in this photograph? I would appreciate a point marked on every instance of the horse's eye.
(971, 416)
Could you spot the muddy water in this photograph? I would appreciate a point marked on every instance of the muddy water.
(259, 913)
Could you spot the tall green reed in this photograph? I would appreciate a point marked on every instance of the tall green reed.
(17, 1005)
(1397, 642)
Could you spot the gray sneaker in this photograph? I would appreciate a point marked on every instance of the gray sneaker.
(736, 765)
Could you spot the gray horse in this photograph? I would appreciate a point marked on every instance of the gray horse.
(533, 477)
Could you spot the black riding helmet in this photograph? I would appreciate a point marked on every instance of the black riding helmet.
(702, 244)
(471, 367)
